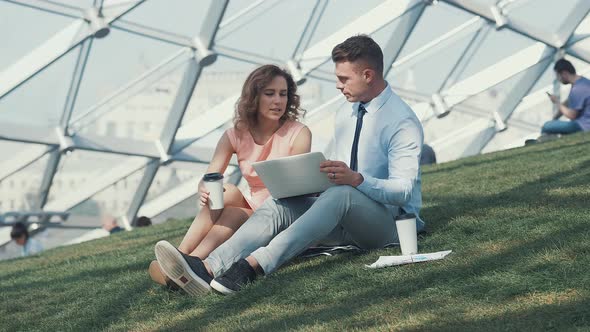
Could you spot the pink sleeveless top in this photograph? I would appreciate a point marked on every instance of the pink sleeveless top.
(279, 145)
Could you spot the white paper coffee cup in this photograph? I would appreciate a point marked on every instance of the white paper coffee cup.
(406, 232)
(214, 184)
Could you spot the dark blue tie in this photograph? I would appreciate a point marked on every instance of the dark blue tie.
(357, 134)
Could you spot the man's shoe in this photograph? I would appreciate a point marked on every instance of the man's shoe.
(238, 275)
(186, 271)
(160, 278)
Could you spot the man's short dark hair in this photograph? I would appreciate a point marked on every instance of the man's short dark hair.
(143, 221)
(564, 65)
(19, 229)
(361, 47)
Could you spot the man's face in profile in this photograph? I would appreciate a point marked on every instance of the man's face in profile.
(351, 80)
(560, 77)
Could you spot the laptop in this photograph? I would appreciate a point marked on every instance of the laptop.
(294, 175)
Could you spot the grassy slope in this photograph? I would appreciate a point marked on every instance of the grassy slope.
(518, 222)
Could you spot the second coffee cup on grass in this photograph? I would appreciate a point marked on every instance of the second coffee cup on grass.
(214, 184)
(406, 232)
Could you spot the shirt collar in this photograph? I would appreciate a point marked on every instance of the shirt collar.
(374, 104)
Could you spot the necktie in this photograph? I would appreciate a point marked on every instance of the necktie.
(355, 142)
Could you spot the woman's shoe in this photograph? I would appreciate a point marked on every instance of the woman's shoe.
(160, 278)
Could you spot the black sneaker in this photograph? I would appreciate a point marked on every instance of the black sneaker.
(186, 271)
(238, 275)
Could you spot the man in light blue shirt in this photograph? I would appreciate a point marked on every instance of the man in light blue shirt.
(376, 168)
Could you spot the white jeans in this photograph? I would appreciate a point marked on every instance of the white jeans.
(281, 229)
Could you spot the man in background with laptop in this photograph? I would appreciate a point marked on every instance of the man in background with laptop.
(375, 167)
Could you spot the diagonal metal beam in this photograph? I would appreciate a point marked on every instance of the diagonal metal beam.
(582, 32)
(149, 173)
(183, 96)
(75, 82)
(244, 16)
(496, 73)
(515, 96)
(47, 179)
(574, 20)
(204, 124)
(152, 33)
(205, 39)
(23, 159)
(132, 88)
(96, 184)
(244, 56)
(429, 49)
(368, 23)
(485, 11)
(476, 41)
(309, 30)
(398, 39)
(203, 57)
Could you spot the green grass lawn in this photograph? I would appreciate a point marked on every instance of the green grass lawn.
(518, 223)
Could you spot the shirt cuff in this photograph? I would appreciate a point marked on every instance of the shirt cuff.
(367, 184)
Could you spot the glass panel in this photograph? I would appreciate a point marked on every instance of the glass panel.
(222, 80)
(493, 97)
(496, 47)
(26, 21)
(434, 22)
(277, 45)
(183, 17)
(170, 177)
(143, 115)
(115, 61)
(339, 14)
(422, 75)
(80, 168)
(82, 4)
(550, 17)
(49, 89)
(20, 191)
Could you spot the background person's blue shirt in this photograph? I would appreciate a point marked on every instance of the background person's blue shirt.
(579, 101)
(31, 247)
(389, 150)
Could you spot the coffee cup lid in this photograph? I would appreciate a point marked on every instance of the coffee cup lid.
(212, 177)
(405, 216)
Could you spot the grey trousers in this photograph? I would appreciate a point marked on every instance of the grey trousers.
(281, 229)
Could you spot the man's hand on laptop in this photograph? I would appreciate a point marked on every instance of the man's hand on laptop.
(339, 173)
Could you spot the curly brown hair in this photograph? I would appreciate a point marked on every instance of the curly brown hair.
(247, 106)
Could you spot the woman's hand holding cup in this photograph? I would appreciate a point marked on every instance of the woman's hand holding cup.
(213, 192)
(203, 194)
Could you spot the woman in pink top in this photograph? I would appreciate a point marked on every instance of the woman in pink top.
(266, 127)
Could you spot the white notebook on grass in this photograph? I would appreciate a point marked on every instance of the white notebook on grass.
(294, 175)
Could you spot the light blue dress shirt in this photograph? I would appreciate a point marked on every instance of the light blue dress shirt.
(389, 151)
